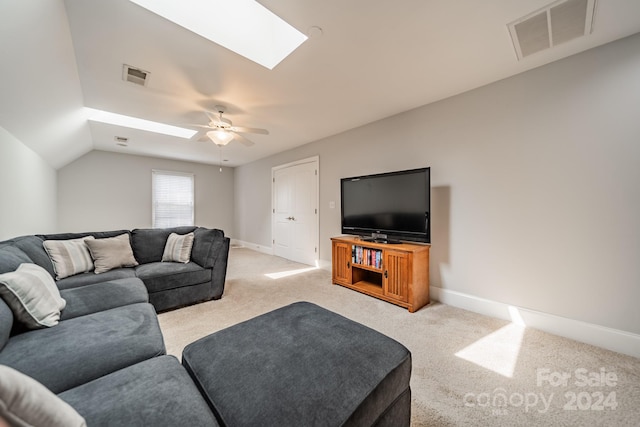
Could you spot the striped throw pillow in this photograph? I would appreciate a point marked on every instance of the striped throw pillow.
(32, 295)
(178, 248)
(69, 257)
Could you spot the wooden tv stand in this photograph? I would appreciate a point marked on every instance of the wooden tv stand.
(396, 273)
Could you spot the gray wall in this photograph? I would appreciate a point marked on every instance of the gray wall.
(27, 190)
(535, 186)
(103, 190)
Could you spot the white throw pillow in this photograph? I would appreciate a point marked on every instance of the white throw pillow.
(69, 257)
(26, 402)
(178, 248)
(110, 253)
(32, 295)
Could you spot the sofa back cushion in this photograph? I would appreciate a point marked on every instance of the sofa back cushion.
(33, 248)
(11, 257)
(96, 234)
(148, 243)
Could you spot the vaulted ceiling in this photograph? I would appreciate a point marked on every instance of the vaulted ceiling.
(373, 59)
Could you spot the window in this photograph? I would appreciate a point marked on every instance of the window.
(172, 199)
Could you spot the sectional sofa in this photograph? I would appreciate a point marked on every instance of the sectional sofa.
(170, 285)
(104, 354)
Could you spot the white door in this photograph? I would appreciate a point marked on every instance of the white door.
(295, 211)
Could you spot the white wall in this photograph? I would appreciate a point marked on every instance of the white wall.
(105, 191)
(535, 186)
(27, 190)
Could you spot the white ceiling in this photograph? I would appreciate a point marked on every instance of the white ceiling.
(375, 58)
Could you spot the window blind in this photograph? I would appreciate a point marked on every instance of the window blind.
(173, 199)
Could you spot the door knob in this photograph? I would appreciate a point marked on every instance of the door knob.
(290, 218)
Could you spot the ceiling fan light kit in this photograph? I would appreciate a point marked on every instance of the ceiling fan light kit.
(221, 130)
(220, 136)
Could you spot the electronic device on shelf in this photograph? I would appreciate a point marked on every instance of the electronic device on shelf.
(388, 207)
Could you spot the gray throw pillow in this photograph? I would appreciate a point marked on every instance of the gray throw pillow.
(25, 402)
(69, 257)
(110, 253)
(32, 295)
(178, 248)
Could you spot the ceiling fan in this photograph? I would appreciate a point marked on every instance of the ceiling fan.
(221, 130)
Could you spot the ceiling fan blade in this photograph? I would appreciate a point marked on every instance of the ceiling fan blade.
(243, 129)
(201, 135)
(242, 140)
(202, 126)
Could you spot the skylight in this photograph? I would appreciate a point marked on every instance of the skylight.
(243, 26)
(135, 123)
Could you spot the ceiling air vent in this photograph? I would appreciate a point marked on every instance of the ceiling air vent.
(135, 75)
(121, 141)
(552, 25)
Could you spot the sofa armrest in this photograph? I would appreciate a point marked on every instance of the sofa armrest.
(207, 245)
(219, 273)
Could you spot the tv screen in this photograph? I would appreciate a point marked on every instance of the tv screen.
(395, 204)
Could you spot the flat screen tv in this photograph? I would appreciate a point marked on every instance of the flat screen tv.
(388, 207)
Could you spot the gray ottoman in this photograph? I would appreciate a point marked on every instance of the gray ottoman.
(302, 365)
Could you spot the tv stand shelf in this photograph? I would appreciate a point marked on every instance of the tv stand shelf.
(396, 273)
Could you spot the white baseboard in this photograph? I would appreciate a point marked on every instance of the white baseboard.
(264, 249)
(322, 264)
(609, 338)
(589, 333)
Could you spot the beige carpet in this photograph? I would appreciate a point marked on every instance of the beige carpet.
(468, 369)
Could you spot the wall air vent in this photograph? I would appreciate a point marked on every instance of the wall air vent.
(121, 141)
(135, 75)
(552, 25)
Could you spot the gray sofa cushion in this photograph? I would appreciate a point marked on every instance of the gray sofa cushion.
(32, 246)
(96, 234)
(148, 243)
(156, 392)
(180, 297)
(301, 365)
(6, 323)
(11, 257)
(85, 348)
(90, 278)
(160, 276)
(103, 296)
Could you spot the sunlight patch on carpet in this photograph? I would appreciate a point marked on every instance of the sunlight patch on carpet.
(497, 351)
(281, 274)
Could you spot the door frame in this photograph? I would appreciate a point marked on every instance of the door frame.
(316, 161)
